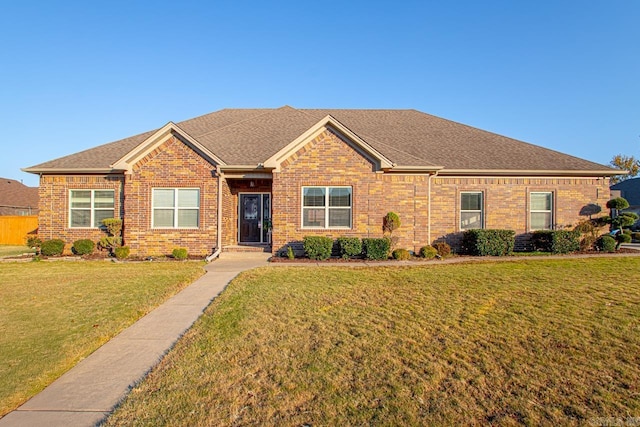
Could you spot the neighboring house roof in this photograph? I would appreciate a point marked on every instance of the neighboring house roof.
(630, 190)
(15, 194)
(406, 138)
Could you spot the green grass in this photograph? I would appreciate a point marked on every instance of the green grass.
(533, 341)
(53, 314)
(12, 250)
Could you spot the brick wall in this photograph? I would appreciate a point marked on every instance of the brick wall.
(330, 161)
(171, 165)
(53, 218)
(506, 202)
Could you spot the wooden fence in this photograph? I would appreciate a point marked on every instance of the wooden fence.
(14, 229)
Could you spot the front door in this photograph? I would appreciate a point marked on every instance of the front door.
(254, 215)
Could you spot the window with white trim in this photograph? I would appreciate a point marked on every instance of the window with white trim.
(176, 208)
(326, 207)
(87, 208)
(541, 210)
(471, 210)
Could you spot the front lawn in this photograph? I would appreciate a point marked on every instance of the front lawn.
(15, 250)
(533, 341)
(53, 314)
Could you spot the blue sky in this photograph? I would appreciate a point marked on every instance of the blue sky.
(561, 74)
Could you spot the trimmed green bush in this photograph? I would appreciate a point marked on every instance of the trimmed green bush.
(318, 247)
(83, 247)
(442, 248)
(376, 249)
(401, 255)
(623, 238)
(349, 246)
(489, 242)
(34, 241)
(428, 252)
(556, 241)
(606, 243)
(52, 247)
(636, 235)
(290, 253)
(121, 252)
(179, 253)
(390, 222)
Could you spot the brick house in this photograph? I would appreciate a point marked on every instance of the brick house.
(220, 181)
(17, 199)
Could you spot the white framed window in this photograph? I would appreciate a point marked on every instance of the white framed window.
(175, 208)
(471, 210)
(326, 207)
(87, 208)
(541, 210)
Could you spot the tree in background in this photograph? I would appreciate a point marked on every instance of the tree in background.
(626, 163)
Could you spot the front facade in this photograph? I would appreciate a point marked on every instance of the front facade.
(267, 178)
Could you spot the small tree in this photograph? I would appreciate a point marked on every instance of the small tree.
(113, 239)
(390, 223)
(620, 220)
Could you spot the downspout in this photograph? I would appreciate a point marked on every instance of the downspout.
(216, 253)
(429, 207)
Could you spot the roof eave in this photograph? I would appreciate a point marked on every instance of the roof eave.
(528, 172)
(37, 170)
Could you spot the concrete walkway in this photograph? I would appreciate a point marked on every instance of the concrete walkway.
(87, 393)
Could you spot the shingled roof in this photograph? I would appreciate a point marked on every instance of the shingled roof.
(15, 195)
(408, 138)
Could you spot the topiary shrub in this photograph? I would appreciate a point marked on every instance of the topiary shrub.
(442, 248)
(556, 241)
(179, 253)
(482, 242)
(121, 252)
(623, 238)
(376, 248)
(290, 253)
(318, 247)
(390, 223)
(635, 236)
(52, 247)
(349, 246)
(401, 255)
(83, 247)
(428, 252)
(606, 243)
(113, 239)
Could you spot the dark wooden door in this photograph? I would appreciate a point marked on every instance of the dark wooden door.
(250, 217)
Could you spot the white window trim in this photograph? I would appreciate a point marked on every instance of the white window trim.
(549, 211)
(481, 211)
(92, 208)
(175, 208)
(326, 208)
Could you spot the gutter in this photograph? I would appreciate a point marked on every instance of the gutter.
(218, 250)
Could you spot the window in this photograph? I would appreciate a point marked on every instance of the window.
(326, 207)
(176, 207)
(471, 210)
(87, 208)
(541, 211)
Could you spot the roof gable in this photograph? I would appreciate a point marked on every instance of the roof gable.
(15, 194)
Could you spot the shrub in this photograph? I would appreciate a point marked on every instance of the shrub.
(318, 247)
(349, 246)
(635, 236)
(428, 252)
(179, 253)
(121, 252)
(83, 247)
(390, 222)
(401, 254)
(556, 241)
(52, 247)
(623, 238)
(489, 242)
(442, 248)
(113, 239)
(34, 241)
(618, 203)
(606, 243)
(290, 253)
(376, 248)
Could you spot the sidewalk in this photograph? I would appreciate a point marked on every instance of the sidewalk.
(88, 392)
